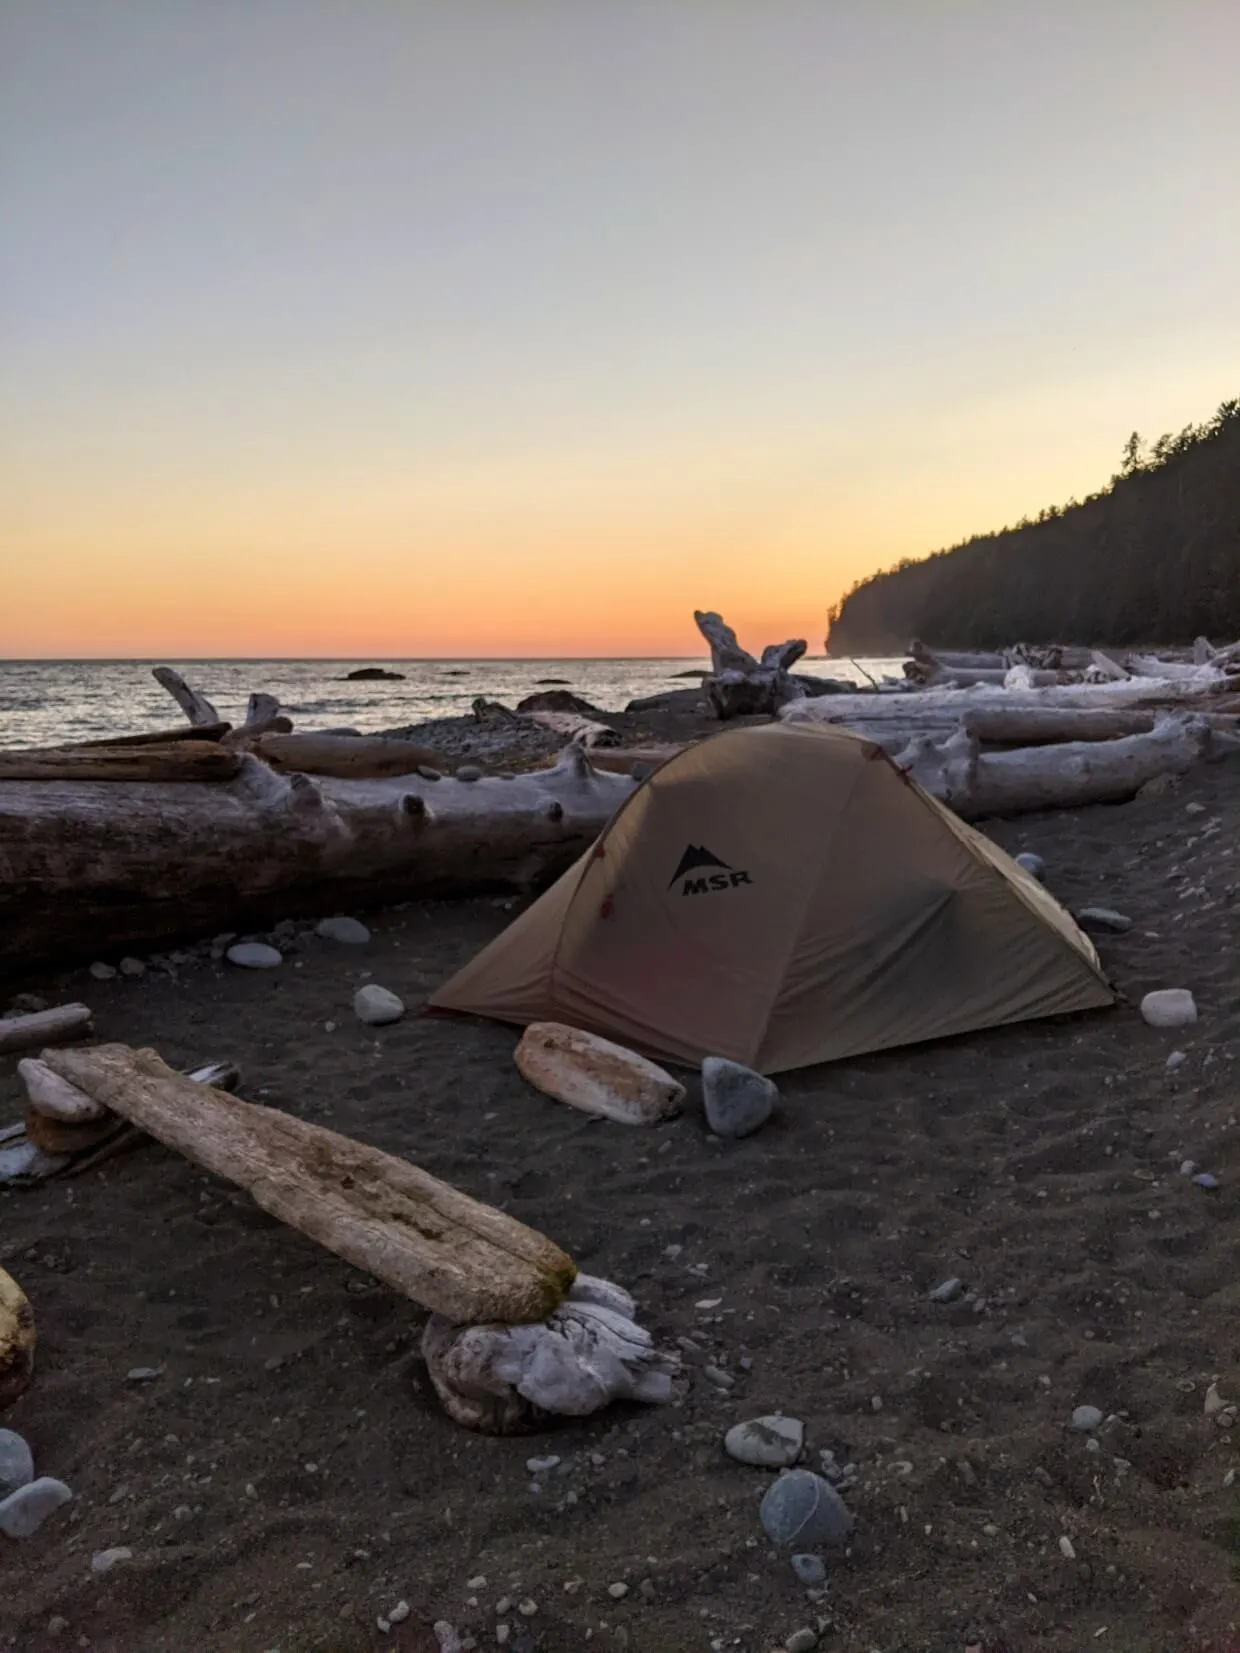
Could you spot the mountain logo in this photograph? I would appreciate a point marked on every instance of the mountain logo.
(715, 874)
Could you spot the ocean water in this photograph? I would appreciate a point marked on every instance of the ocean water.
(43, 702)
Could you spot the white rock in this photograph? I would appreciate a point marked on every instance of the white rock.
(348, 930)
(1176, 1059)
(1086, 1418)
(597, 1076)
(374, 1004)
(133, 968)
(16, 1462)
(254, 955)
(1103, 920)
(1169, 1007)
(24, 1511)
(101, 971)
(768, 1443)
(103, 1561)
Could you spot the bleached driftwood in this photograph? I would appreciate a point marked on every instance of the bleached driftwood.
(17, 1340)
(597, 1076)
(507, 1380)
(197, 708)
(1067, 776)
(262, 712)
(739, 685)
(1213, 674)
(955, 660)
(174, 761)
(1132, 693)
(356, 757)
(44, 1027)
(1019, 725)
(420, 1236)
(87, 864)
(571, 726)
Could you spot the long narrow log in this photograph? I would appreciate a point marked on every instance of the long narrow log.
(1132, 693)
(44, 1027)
(976, 784)
(420, 1236)
(197, 708)
(356, 757)
(1020, 725)
(84, 864)
(181, 760)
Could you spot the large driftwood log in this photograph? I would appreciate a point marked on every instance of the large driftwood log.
(1017, 725)
(356, 757)
(44, 1027)
(976, 784)
(739, 685)
(182, 760)
(88, 863)
(1133, 694)
(425, 1239)
(262, 713)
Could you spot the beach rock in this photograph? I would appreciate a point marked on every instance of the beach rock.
(377, 1005)
(27, 1004)
(767, 1443)
(348, 930)
(1086, 1418)
(737, 1100)
(1169, 1007)
(142, 1374)
(1033, 864)
(1103, 921)
(103, 1561)
(469, 772)
(23, 1512)
(542, 1466)
(373, 674)
(133, 968)
(810, 1570)
(102, 972)
(429, 774)
(1205, 1179)
(948, 1291)
(1176, 1059)
(254, 955)
(16, 1462)
(801, 1641)
(801, 1506)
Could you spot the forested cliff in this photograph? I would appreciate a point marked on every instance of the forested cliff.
(1154, 557)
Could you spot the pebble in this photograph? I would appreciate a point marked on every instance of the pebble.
(1033, 864)
(1067, 1548)
(1194, 809)
(469, 772)
(540, 1466)
(101, 971)
(810, 1570)
(801, 1641)
(1169, 1007)
(1176, 1059)
(801, 1505)
(16, 1462)
(399, 1613)
(24, 1511)
(617, 1591)
(133, 968)
(737, 1100)
(1086, 1418)
(720, 1378)
(527, 1608)
(56, 1625)
(1103, 920)
(254, 955)
(375, 1005)
(142, 1374)
(771, 1442)
(103, 1561)
(429, 774)
(348, 930)
(948, 1291)
(1187, 1167)
(1204, 1179)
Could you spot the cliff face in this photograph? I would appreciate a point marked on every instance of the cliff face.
(1154, 556)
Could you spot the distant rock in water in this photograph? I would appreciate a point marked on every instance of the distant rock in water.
(555, 682)
(557, 700)
(374, 674)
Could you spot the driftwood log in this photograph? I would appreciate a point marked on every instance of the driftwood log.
(739, 685)
(450, 1253)
(44, 1027)
(173, 761)
(17, 1340)
(976, 784)
(136, 863)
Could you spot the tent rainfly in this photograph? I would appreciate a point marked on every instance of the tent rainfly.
(784, 895)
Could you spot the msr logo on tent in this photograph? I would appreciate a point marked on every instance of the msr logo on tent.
(697, 860)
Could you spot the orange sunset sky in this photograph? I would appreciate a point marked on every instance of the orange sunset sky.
(411, 329)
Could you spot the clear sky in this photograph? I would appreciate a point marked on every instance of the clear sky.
(403, 327)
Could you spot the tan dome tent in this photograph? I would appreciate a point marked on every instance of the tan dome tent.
(783, 895)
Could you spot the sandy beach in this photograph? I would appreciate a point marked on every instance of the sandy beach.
(288, 1477)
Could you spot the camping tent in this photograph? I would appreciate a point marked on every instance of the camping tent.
(784, 895)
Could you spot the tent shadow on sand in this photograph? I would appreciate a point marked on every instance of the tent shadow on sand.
(785, 896)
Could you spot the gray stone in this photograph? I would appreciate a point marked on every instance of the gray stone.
(1204, 1179)
(142, 1374)
(374, 1004)
(1086, 1418)
(469, 772)
(348, 930)
(802, 1507)
(16, 1462)
(810, 1570)
(133, 968)
(23, 1512)
(542, 1466)
(1033, 864)
(737, 1100)
(429, 774)
(767, 1443)
(720, 1378)
(103, 1561)
(802, 1641)
(101, 971)
(948, 1291)
(1169, 1007)
(254, 955)
(1103, 921)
